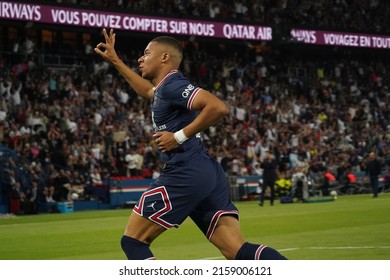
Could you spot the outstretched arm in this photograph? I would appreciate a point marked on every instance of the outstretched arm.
(107, 51)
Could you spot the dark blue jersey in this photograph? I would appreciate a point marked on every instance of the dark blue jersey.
(171, 111)
(192, 184)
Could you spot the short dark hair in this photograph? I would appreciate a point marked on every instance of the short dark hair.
(169, 41)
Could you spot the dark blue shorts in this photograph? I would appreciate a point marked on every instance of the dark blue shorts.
(198, 189)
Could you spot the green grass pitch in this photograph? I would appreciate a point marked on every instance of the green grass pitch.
(351, 228)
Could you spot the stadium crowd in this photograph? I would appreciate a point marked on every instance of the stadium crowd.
(74, 129)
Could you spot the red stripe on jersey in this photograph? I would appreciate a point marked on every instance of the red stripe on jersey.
(258, 252)
(192, 98)
(215, 219)
(166, 76)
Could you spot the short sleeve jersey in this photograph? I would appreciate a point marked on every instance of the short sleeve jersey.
(171, 111)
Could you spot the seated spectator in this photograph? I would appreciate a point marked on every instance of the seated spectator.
(17, 198)
(77, 182)
(99, 187)
(386, 178)
(351, 178)
(96, 178)
(30, 203)
(131, 159)
(351, 183)
(329, 181)
(49, 185)
(48, 193)
(62, 186)
(283, 188)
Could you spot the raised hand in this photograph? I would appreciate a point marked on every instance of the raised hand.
(107, 50)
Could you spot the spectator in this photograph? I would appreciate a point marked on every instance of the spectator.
(96, 178)
(270, 175)
(351, 182)
(329, 181)
(139, 161)
(17, 199)
(131, 160)
(62, 186)
(373, 170)
(77, 182)
(30, 202)
(99, 187)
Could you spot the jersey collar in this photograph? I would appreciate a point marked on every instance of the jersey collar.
(166, 76)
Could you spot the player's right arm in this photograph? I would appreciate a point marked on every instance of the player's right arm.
(107, 51)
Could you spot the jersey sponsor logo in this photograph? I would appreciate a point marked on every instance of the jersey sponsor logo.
(162, 127)
(187, 91)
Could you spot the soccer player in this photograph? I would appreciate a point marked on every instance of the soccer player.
(191, 183)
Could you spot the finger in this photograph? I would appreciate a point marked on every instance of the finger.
(99, 52)
(98, 48)
(105, 35)
(163, 149)
(112, 37)
(101, 45)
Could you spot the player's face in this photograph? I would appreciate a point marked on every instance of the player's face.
(149, 62)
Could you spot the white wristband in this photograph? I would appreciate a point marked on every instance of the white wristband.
(180, 137)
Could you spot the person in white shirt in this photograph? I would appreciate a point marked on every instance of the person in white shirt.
(15, 95)
(131, 159)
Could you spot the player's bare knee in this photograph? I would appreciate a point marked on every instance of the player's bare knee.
(229, 247)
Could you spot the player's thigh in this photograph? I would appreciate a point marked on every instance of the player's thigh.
(142, 229)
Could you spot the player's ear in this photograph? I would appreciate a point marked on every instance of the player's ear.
(165, 57)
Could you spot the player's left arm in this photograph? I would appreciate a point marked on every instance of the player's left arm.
(211, 109)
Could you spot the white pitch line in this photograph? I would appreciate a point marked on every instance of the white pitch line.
(335, 248)
(317, 248)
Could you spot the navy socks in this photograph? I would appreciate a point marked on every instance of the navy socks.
(136, 250)
(250, 251)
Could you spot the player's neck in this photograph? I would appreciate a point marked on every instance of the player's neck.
(161, 76)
